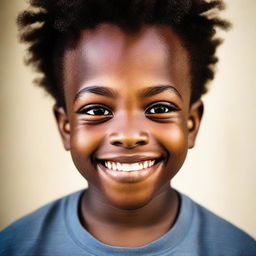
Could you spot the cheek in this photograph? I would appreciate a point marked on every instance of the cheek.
(175, 141)
(85, 140)
(174, 137)
(83, 145)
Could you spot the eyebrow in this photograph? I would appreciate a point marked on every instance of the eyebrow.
(108, 92)
(100, 90)
(151, 91)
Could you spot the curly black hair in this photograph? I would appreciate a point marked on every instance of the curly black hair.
(50, 27)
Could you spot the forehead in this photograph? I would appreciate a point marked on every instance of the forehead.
(152, 53)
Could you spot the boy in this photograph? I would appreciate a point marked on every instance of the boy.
(127, 77)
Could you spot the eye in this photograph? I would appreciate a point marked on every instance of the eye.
(161, 108)
(95, 110)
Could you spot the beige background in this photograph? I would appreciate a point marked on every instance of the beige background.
(219, 173)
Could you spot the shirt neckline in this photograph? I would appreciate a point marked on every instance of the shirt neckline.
(167, 242)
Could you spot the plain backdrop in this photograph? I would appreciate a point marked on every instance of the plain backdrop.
(219, 172)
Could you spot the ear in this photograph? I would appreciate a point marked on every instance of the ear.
(194, 120)
(63, 125)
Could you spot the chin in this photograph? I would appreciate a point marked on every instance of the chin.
(129, 205)
(130, 200)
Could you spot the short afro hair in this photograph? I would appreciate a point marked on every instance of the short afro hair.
(50, 27)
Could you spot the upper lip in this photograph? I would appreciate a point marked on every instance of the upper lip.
(129, 158)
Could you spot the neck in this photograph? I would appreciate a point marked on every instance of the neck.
(129, 228)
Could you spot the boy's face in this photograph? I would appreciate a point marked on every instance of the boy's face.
(127, 98)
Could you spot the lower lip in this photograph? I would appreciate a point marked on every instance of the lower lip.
(131, 176)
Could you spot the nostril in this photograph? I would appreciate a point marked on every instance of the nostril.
(142, 142)
(126, 141)
(116, 143)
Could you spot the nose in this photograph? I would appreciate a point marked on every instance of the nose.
(129, 139)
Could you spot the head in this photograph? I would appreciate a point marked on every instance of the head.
(127, 77)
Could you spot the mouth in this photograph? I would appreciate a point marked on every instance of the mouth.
(128, 166)
(125, 171)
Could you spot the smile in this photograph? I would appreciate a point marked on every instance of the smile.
(129, 172)
(129, 167)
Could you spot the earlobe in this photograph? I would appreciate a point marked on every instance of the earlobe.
(194, 120)
(63, 125)
(67, 127)
(190, 124)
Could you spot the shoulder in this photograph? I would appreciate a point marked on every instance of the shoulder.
(30, 229)
(217, 234)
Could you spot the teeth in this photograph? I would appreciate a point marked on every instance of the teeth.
(129, 167)
(114, 166)
(125, 167)
(118, 166)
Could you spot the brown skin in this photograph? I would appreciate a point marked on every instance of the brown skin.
(128, 213)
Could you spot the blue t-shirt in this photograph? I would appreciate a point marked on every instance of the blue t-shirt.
(55, 230)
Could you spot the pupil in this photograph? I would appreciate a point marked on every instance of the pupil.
(98, 111)
(160, 109)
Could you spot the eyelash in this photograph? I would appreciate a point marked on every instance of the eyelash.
(86, 109)
(169, 107)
